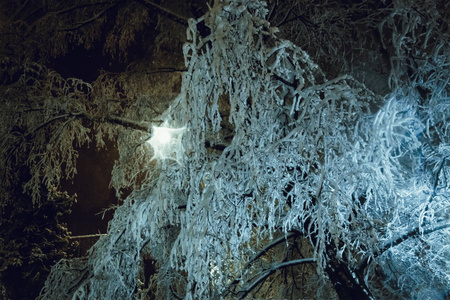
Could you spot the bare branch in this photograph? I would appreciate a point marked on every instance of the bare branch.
(75, 7)
(168, 13)
(93, 19)
(20, 9)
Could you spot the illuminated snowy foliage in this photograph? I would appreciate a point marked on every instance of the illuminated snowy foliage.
(306, 155)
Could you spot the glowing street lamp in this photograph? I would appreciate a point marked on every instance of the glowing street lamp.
(166, 142)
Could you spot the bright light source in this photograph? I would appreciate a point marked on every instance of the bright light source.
(166, 142)
(162, 135)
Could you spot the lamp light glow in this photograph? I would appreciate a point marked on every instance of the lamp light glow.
(167, 142)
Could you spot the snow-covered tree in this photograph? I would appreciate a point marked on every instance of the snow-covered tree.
(265, 172)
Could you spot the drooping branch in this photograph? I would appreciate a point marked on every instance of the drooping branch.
(272, 244)
(63, 116)
(265, 250)
(263, 275)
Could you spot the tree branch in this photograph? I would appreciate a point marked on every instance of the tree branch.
(75, 7)
(166, 70)
(263, 251)
(413, 233)
(93, 19)
(298, 17)
(271, 245)
(47, 123)
(293, 84)
(435, 183)
(62, 11)
(86, 236)
(125, 122)
(265, 274)
(168, 13)
(20, 9)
